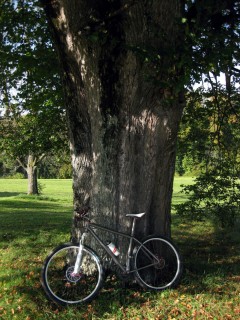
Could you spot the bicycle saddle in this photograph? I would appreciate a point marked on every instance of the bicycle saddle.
(135, 215)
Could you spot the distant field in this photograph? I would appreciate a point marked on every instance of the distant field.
(31, 226)
(61, 189)
(179, 197)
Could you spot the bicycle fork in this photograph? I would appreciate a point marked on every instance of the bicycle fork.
(78, 261)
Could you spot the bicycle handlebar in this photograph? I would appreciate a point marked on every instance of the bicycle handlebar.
(80, 214)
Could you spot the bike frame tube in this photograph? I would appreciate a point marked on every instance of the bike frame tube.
(106, 249)
(126, 270)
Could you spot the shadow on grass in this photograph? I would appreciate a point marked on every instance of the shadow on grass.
(26, 218)
(8, 194)
(111, 299)
(211, 256)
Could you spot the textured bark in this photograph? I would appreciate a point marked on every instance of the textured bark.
(31, 170)
(123, 123)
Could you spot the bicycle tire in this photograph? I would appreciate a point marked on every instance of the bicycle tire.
(58, 282)
(160, 275)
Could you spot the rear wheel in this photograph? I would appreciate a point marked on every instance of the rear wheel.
(158, 264)
(64, 287)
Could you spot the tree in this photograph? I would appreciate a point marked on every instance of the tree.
(193, 136)
(125, 64)
(213, 135)
(124, 103)
(33, 117)
(56, 166)
(29, 138)
(209, 135)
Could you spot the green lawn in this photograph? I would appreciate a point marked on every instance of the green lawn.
(31, 226)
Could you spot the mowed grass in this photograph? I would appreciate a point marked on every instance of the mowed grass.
(31, 226)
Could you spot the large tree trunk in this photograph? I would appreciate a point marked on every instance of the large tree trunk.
(117, 58)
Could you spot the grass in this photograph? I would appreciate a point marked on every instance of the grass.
(31, 226)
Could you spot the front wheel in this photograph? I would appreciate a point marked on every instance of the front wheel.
(62, 285)
(158, 264)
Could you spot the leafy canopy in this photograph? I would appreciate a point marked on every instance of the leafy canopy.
(32, 112)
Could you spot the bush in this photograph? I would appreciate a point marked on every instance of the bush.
(16, 175)
(215, 195)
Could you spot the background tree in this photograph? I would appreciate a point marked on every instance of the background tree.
(56, 166)
(216, 132)
(209, 136)
(193, 137)
(33, 118)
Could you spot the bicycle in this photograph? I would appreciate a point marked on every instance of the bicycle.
(73, 273)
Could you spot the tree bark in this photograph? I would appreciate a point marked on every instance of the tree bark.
(123, 109)
(32, 176)
(31, 169)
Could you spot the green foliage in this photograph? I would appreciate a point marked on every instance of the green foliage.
(41, 187)
(32, 116)
(65, 171)
(215, 194)
(212, 38)
(16, 175)
(56, 166)
(210, 139)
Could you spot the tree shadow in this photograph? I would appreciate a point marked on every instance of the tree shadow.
(28, 217)
(6, 194)
(211, 256)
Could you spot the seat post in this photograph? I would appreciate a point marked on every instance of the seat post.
(130, 248)
(133, 226)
